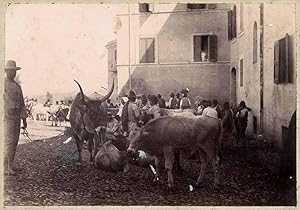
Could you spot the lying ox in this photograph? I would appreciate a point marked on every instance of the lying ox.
(162, 136)
(109, 158)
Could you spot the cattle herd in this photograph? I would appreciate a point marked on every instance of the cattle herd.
(162, 140)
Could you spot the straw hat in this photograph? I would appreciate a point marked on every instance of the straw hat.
(11, 65)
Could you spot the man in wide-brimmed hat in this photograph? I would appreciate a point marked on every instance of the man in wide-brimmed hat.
(14, 111)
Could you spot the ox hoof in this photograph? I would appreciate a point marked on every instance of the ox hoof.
(155, 180)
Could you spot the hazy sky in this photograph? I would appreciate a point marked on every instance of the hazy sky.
(56, 43)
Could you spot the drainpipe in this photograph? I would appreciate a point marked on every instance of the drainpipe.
(261, 55)
(129, 53)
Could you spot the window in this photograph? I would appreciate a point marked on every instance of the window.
(144, 8)
(116, 56)
(282, 66)
(255, 43)
(201, 6)
(241, 72)
(241, 17)
(232, 23)
(205, 48)
(147, 51)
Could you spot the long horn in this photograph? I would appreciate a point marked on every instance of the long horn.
(82, 94)
(108, 94)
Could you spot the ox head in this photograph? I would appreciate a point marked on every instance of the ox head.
(136, 139)
(93, 113)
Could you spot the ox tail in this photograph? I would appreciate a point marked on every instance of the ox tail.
(220, 136)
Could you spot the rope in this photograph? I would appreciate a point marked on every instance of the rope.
(26, 134)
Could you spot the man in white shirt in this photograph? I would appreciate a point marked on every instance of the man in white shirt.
(209, 111)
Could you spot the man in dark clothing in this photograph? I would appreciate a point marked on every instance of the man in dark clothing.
(173, 101)
(161, 101)
(14, 112)
(242, 118)
(216, 106)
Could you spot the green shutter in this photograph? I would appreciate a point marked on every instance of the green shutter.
(276, 63)
(213, 49)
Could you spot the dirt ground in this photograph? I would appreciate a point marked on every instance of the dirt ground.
(50, 177)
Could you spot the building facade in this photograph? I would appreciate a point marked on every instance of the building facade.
(263, 66)
(167, 47)
(112, 69)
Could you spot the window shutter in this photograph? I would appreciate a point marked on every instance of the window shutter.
(212, 44)
(212, 6)
(151, 7)
(276, 63)
(234, 22)
(282, 61)
(197, 48)
(143, 47)
(288, 68)
(150, 51)
(229, 25)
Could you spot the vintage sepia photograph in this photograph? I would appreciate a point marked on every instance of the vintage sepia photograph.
(150, 104)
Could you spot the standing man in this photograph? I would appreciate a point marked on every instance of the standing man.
(242, 117)
(173, 101)
(14, 111)
(130, 114)
(161, 101)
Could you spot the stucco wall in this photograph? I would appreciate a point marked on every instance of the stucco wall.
(209, 81)
(173, 33)
(242, 48)
(112, 70)
(279, 99)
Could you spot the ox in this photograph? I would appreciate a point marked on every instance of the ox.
(40, 112)
(58, 115)
(162, 136)
(86, 114)
(109, 158)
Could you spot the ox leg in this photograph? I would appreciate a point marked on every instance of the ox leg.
(216, 168)
(203, 159)
(215, 159)
(169, 159)
(158, 168)
(79, 144)
(177, 165)
(96, 143)
(90, 148)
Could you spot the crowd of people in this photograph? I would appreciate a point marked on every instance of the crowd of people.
(136, 110)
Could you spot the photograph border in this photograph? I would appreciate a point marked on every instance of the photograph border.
(6, 3)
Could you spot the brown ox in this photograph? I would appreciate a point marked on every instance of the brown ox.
(162, 136)
(86, 114)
